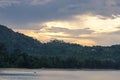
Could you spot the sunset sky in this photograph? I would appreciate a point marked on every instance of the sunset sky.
(86, 22)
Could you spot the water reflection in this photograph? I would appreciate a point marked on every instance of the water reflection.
(58, 75)
(17, 74)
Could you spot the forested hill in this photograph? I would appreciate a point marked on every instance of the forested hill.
(18, 50)
(14, 40)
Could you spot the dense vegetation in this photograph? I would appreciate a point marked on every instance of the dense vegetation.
(14, 40)
(81, 57)
(20, 51)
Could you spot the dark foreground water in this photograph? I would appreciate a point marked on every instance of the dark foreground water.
(38, 74)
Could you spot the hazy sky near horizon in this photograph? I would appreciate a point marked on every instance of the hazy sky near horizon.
(86, 22)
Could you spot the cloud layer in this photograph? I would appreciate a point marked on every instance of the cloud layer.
(26, 11)
(88, 22)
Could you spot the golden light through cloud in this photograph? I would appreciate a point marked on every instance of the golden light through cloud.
(34, 34)
(99, 24)
(102, 24)
(87, 42)
(57, 24)
(85, 22)
(96, 23)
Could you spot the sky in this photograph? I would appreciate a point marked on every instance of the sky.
(85, 22)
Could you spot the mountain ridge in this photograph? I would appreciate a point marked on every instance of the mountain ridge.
(14, 40)
(27, 52)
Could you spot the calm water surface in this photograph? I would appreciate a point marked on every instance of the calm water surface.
(38, 74)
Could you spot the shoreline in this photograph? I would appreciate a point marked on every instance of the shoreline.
(58, 69)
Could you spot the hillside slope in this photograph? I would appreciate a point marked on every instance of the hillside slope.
(14, 40)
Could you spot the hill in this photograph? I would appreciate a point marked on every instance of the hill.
(27, 52)
(14, 40)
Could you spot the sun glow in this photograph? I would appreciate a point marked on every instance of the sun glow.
(87, 42)
(102, 24)
(98, 24)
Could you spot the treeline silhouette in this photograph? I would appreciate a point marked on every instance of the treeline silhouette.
(58, 54)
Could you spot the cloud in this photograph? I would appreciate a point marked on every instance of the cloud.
(4, 3)
(100, 7)
(32, 33)
(96, 23)
(47, 36)
(104, 39)
(46, 10)
(83, 21)
(74, 32)
(96, 7)
(40, 2)
(94, 30)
